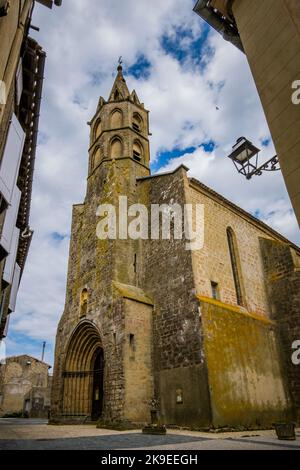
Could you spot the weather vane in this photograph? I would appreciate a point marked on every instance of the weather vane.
(120, 60)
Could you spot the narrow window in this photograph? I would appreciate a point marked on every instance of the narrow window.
(83, 302)
(98, 129)
(179, 396)
(93, 161)
(135, 263)
(235, 265)
(137, 151)
(136, 155)
(137, 122)
(131, 346)
(215, 290)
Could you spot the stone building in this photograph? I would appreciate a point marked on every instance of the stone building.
(268, 32)
(25, 387)
(146, 317)
(22, 62)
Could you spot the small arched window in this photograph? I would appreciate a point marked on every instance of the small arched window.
(137, 151)
(137, 122)
(117, 95)
(236, 266)
(98, 156)
(98, 129)
(116, 148)
(93, 161)
(83, 302)
(116, 119)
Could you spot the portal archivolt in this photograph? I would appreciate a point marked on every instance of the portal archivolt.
(83, 374)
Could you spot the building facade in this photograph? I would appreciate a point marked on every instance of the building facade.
(22, 63)
(269, 34)
(146, 317)
(25, 387)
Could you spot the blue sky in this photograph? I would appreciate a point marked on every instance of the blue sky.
(184, 47)
(141, 69)
(201, 98)
(164, 157)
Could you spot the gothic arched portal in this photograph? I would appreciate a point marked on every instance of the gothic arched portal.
(83, 374)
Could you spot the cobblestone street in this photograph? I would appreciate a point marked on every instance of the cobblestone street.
(16, 434)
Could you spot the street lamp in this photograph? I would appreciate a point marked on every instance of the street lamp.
(245, 158)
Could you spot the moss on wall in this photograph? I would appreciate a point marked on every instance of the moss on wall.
(244, 367)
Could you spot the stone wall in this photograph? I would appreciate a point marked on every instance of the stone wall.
(137, 357)
(282, 270)
(212, 263)
(167, 275)
(19, 375)
(244, 368)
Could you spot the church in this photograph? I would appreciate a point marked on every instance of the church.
(206, 332)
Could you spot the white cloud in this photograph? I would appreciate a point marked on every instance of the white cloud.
(83, 41)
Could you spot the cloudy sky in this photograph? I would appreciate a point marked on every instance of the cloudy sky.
(201, 96)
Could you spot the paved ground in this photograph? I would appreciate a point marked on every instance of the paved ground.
(17, 434)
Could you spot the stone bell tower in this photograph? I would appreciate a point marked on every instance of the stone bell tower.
(103, 343)
(119, 154)
(119, 136)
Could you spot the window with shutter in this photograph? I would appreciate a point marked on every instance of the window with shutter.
(10, 164)
(11, 259)
(14, 289)
(9, 223)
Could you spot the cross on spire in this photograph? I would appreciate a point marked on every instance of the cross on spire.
(120, 62)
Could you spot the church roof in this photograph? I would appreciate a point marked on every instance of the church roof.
(119, 92)
(120, 89)
(26, 356)
(222, 200)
